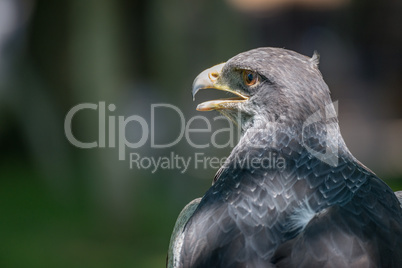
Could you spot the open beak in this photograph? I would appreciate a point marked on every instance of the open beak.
(210, 78)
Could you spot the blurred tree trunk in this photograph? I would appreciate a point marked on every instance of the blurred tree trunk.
(97, 69)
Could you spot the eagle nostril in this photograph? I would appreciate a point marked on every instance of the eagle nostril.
(213, 76)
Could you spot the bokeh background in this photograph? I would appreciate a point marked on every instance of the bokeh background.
(62, 206)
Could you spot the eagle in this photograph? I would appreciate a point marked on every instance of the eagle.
(317, 207)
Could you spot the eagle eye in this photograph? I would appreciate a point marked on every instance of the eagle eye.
(250, 78)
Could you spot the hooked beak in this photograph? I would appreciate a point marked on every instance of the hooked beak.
(211, 78)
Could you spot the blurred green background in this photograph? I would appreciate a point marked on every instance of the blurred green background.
(62, 206)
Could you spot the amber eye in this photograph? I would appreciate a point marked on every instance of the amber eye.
(250, 78)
